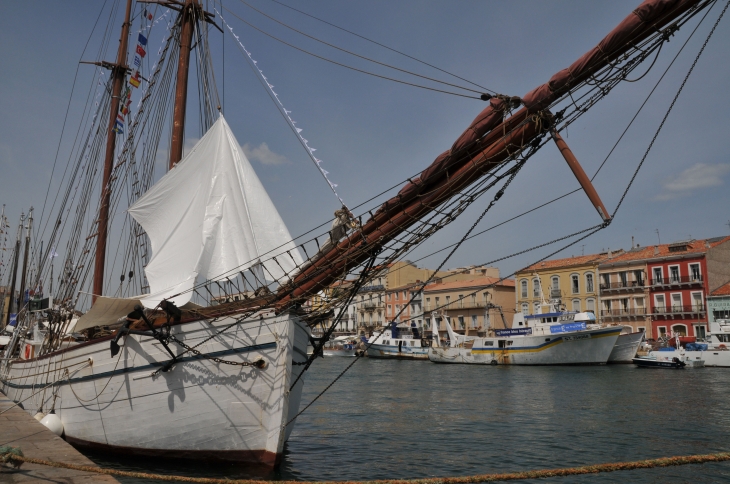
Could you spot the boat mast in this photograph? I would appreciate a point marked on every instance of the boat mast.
(14, 276)
(188, 17)
(23, 274)
(119, 71)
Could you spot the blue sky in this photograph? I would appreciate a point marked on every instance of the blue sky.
(372, 133)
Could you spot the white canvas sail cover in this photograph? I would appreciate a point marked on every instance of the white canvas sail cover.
(209, 215)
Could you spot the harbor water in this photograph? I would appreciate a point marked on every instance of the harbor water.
(409, 419)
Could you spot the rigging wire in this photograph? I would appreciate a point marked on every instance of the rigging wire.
(384, 46)
(354, 54)
(592, 230)
(362, 71)
(280, 107)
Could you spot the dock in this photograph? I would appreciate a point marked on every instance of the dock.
(19, 429)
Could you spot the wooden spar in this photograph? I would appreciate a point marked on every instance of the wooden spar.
(188, 20)
(377, 232)
(580, 174)
(23, 274)
(14, 276)
(463, 168)
(119, 71)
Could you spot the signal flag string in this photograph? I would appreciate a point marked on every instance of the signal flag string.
(286, 113)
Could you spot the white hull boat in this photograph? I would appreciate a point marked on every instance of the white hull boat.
(626, 347)
(402, 343)
(199, 409)
(587, 347)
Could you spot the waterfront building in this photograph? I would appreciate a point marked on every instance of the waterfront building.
(718, 303)
(572, 280)
(470, 305)
(405, 304)
(669, 283)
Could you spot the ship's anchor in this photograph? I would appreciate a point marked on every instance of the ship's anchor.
(162, 337)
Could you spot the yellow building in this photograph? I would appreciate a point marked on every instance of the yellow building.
(573, 280)
(470, 304)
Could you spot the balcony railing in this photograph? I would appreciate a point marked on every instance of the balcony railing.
(622, 285)
(623, 312)
(664, 281)
(687, 308)
(370, 305)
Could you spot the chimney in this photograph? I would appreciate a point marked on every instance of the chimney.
(632, 241)
(656, 250)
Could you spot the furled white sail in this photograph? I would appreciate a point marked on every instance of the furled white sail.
(209, 215)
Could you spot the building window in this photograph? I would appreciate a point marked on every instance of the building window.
(428, 304)
(390, 310)
(576, 305)
(589, 282)
(556, 283)
(536, 308)
(697, 302)
(591, 305)
(673, 274)
(676, 303)
(623, 278)
(473, 320)
(448, 301)
(461, 300)
(700, 331)
(523, 288)
(625, 305)
(606, 280)
(659, 304)
(662, 331)
(473, 300)
(461, 322)
(574, 284)
(536, 288)
(639, 277)
(694, 272)
(525, 309)
(679, 329)
(639, 305)
(436, 302)
(658, 279)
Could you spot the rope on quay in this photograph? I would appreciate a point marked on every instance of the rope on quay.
(14, 458)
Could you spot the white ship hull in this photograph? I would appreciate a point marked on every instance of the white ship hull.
(397, 352)
(586, 347)
(626, 347)
(199, 409)
(711, 357)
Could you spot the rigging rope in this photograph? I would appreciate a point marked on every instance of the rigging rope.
(15, 457)
(384, 46)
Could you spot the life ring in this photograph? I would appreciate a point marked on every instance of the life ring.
(721, 347)
(494, 363)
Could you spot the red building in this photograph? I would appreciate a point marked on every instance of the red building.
(678, 277)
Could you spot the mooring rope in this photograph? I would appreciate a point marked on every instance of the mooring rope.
(14, 457)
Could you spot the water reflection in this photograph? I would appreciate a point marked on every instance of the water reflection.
(409, 419)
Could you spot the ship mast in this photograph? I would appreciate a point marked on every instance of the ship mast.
(188, 17)
(119, 71)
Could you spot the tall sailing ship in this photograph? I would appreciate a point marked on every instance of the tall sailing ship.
(207, 361)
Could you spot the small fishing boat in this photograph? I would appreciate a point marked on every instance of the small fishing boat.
(341, 346)
(659, 362)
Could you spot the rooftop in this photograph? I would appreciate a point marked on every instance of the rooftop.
(722, 290)
(667, 250)
(472, 284)
(572, 261)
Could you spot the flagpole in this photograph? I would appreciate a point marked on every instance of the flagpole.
(119, 71)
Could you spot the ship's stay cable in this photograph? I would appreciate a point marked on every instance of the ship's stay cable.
(384, 46)
(362, 71)
(328, 44)
(653, 89)
(38, 229)
(671, 106)
(591, 230)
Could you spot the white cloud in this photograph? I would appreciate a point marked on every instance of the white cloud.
(263, 154)
(698, 176)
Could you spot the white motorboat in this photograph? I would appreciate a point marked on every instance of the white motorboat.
(714, 352)
(341, 346)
